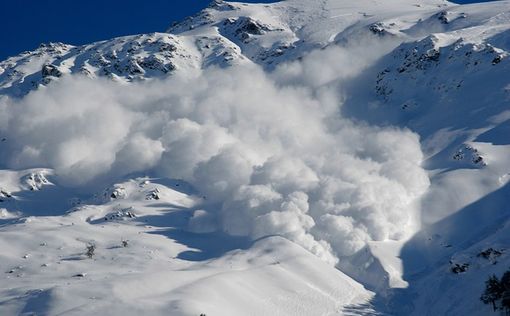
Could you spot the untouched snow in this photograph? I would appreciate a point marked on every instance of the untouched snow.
(160, 269)
(296, 158)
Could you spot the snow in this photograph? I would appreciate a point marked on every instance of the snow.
(387, 252)
(294, 158)
(161, 269)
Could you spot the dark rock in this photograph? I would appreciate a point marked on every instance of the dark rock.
(459, 268)
(497, 60)
(378, 29)
(50, 71)
(443, 17)
(490, 254)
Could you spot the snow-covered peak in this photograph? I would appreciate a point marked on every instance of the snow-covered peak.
(225, 33)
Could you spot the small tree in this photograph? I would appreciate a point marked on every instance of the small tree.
(505, 285)
(91, 248)
(505, 281)
(493, 292)
(505, 303)
(496, 290)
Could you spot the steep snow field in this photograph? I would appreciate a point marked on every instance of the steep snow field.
(295, 158)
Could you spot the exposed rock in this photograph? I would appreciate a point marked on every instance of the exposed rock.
(154, 195)
(443, 17)
(243, 28)
(221, 5)
(117, 193)
(378, 29)
(122, 214)
(459, 268)
(490, 254)
(35, 181)
(467, 151)
(50, 71)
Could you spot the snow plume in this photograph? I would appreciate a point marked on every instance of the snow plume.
(271, 152)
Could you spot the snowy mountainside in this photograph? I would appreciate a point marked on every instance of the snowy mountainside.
(452, 88)
(221, 35)
(145, 263)
(122, 59)
(294, 158)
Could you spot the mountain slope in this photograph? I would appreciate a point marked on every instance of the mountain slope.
(222, 35)
(295, 134)
(144, 263)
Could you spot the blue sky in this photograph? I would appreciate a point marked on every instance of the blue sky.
(24, 24)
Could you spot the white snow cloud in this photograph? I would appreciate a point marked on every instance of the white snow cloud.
(272, 150)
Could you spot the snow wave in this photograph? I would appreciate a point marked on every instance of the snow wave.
(270, 152)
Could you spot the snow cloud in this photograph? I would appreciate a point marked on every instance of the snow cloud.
(270, 151)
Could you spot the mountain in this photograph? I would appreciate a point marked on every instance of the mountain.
(223, 34)
(294, 158)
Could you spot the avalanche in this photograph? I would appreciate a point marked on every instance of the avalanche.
(258, 159)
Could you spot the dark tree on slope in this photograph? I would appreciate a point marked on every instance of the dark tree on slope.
(505, 283)
(497, 292)
(91, 248)
(493, 292)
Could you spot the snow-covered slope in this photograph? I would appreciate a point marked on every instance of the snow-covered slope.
(451, 87)
(223, 34)
(144, 262)
(262, 159)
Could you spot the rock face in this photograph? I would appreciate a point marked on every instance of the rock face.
(50, 71)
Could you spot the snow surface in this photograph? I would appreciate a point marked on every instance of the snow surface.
(295, 158)
(161, 269)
